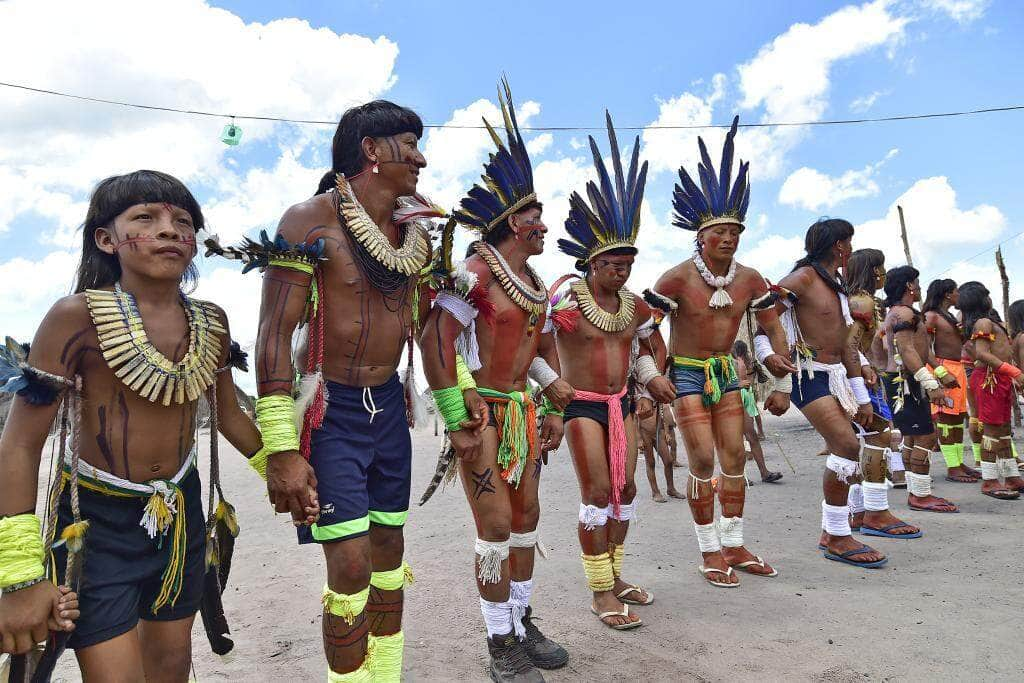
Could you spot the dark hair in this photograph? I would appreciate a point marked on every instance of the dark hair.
(502, 231)
(974, 305)
(860, 270)
(1016, 317)
(824, 234)
(112, 197)
(739, 348)
(377, 119)
(896, 282)
(584, 266)
(937, 291)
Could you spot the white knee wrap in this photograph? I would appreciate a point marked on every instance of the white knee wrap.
(989, 471)
(592, 516)
(707, 537)
(492, 554)
(835, 519)
(626, 511)
(855, 499)
(844, 469)
(919, 485)
(730, 531)
(527, 539)
(876, 496)
(895, 459)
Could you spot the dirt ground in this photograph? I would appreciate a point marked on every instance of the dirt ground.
(947, 606)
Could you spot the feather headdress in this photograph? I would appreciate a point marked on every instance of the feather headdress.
(613, 218)
(508, 176)
(714, 202)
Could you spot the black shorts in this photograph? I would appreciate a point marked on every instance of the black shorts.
(362, 457)
(915, 417)
(122, 567)
(595, 410)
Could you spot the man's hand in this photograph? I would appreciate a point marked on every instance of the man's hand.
(661, 389)
(644, 408)
(937, 396)
(865, 413)
(551, 431)
(559, 393)
(25, 616)
(949, 381)
(779, 365)
(466, 442)
(291, 485)
(777, 403)
(479, 411)
(869, 375)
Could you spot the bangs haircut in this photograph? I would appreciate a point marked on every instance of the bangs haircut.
(377, 119)
(502, 231)
(109, 200)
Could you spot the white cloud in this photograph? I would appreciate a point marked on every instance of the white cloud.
(937, 228)
(773, 255)
(961, 11)
(539, 144)
(865, 102)
(30, 288)
(667, 149)
(814, 190)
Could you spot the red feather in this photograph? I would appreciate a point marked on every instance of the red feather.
(566, 320)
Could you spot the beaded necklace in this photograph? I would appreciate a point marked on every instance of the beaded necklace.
(597, 316)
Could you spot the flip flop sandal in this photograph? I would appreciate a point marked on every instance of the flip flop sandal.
(618, 627)
(963, 479)
(1002, 494)
(705, 571)
(845, 558)
(772, 477)
(932, 509)
(884, 532)
(756, 562)
(632, 601)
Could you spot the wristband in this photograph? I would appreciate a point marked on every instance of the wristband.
(1011, 371)
(21, 552)
(463, 375)
(646, 369)
(542, 373)
(762, 347)
(548, 408)
(863, 359)
(783, 385)
(452, 407)
(258, 462)
(860, 390)
(941, 372)
(926, 379)
(275, 416)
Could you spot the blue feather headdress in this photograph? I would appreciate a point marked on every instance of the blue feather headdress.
(613, 218)
(508, 176)
(714, 202)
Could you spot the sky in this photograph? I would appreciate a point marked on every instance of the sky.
(657, 63)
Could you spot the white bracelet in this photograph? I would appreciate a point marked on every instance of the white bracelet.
(541, 373)
(860, 390)
(863, 359)
(926, 379)
(784, 384)
(646, 369)
(762, 347)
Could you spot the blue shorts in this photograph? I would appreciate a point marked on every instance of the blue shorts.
(362, 461)
(122, 567)
(808, 390)
(690, 381)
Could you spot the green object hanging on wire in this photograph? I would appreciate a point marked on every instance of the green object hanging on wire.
(232, 134)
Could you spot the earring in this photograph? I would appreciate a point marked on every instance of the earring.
(376, 167)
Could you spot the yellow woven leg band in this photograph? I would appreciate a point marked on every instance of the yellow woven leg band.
(393, 579)
(387, 658)
(598, 569)
(364, 674)
(617, 553)
(348, 607)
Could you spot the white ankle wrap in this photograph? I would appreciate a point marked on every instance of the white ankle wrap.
(844, 469)
(707, 537)
(836, 519)
(492, 554)
(1008, 467)
(876, 496)
(497, 617)
(730, 531)
(989, 470)
(592, 516)
(855, 499)
(919, 485)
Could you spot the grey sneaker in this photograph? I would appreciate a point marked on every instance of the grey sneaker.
(543, 652)
(509, 662)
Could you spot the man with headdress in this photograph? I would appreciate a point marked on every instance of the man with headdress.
(869, 499)
(484, 364)
(914, 386)
(597, 324)
(828, 387)
(708, 407)
(947, 346)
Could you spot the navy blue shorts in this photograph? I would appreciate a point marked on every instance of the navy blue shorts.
(690, 381)
(595, 410)
(362, 460)
(878, 401)
(915, 417)
(808, 390)
(122, 567)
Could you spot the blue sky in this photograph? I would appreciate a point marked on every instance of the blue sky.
(667, 62)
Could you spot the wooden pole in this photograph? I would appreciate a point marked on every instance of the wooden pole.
(1005, 282)
(903, 233)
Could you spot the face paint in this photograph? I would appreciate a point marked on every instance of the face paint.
(187, 241)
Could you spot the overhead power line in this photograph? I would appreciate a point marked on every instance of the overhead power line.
(282, 119)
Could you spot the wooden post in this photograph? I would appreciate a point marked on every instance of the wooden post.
(903, 233)
(1005, 282)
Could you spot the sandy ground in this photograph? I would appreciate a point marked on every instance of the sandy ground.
(946, 606)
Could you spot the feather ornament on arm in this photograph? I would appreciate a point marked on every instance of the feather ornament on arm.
(18, 377)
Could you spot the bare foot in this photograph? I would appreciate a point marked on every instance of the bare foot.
(856, 520)
(960, 475)
(716, 561)
(930, 504)
(1015, 483)
(740, 555)
(605, 601)
(675, 494)
(971, 472)
(992, 488)
(837, 545)
(823, 540)
(883, 518)
(658, 497)
(637, 595)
